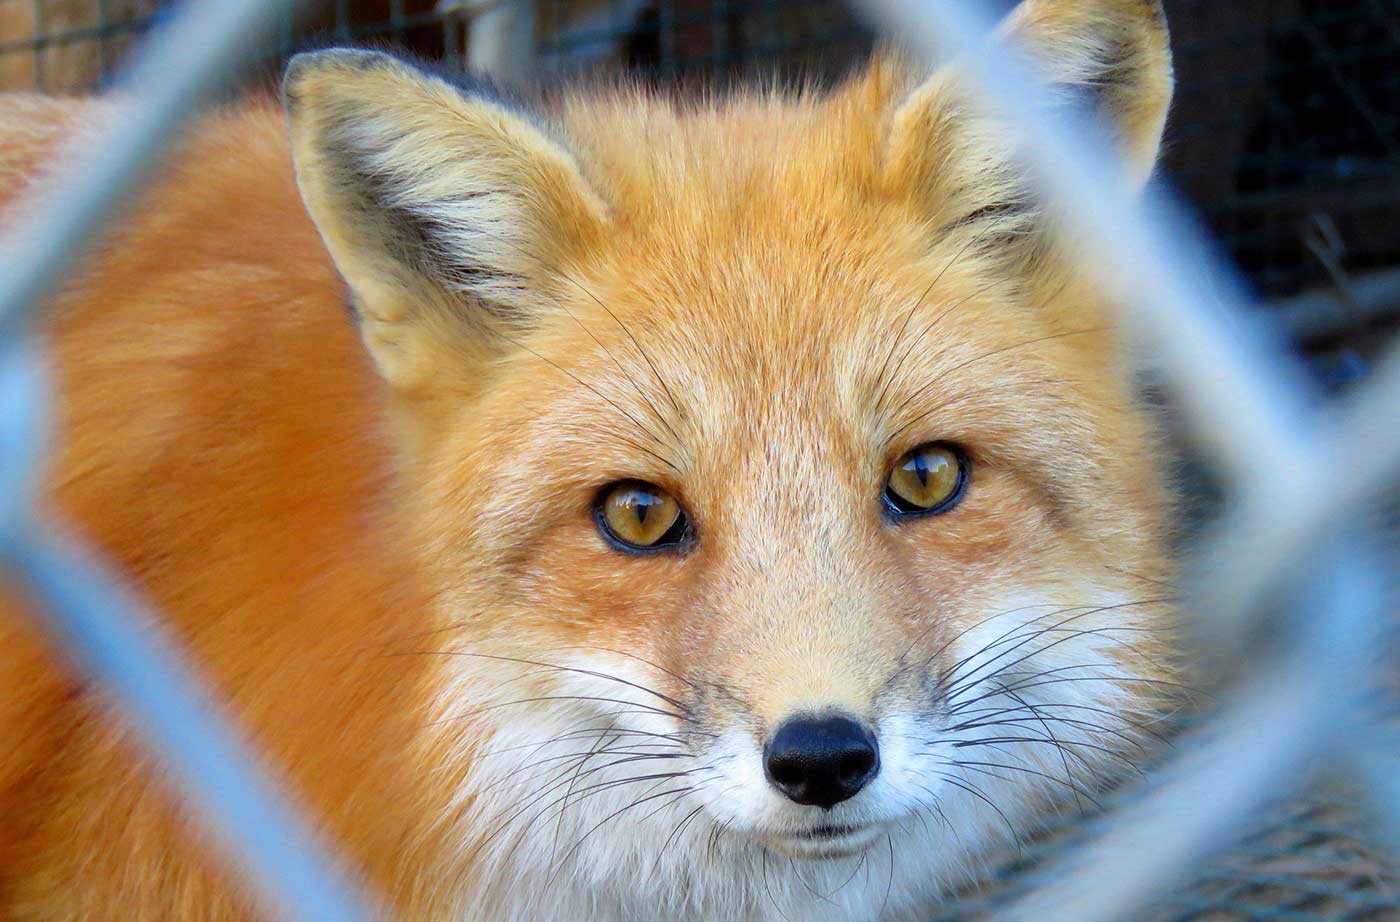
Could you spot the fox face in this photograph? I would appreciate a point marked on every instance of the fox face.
(793, 533)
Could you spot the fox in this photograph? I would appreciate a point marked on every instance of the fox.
(616, 504)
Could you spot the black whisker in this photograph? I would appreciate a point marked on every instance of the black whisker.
(768, 887)
(989, 354)
(670, 792)
(675, 675)
(975, 792)
(630, 380)
(555, 666)
(1060, 749)
(986, 768)
(1043, 705)
(1079, 724)
(955, 399)
(889, 883)
(617, 406)
(964, 681)
(635, 706)
(640, 351)
(792, 866)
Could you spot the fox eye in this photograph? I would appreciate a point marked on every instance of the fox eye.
(928, 480)
(637, 516)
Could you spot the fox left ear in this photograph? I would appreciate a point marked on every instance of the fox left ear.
(449, 213)
(1116, 52)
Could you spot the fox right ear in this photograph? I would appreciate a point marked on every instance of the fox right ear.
(1113, 53)
(449, 214)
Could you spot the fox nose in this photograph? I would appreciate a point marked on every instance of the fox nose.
(821, 761)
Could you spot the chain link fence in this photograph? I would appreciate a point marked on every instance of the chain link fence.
(1285, 134)
(1298, 176)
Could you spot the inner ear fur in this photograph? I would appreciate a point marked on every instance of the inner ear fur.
(448, 211)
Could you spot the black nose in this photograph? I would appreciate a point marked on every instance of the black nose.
(821, 761)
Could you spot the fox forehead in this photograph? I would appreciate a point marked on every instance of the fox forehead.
(768, 346)
(757, 276)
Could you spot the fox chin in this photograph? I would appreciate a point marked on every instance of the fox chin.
(615, 506)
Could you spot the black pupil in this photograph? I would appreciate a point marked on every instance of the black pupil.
(642, 504)
(920, 463)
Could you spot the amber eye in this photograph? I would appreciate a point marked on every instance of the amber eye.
(929, 479)
(637, 516)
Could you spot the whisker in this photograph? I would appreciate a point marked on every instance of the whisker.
(808, 886)
(671, 792)
(1161, 583)
(975, 792)
(604, 397)
(638, 708)
(1063, 745)
(989, 354)
(937, 810)
(508, 243)
(985, 768)
(1059, 748)
(555, 666)
(1138, 725)
(964, 681)
(671, 739)
(971, 627)
(540, 766)
(955, 399)
(1010, 636)
(888, 375)
(670, 395)
(568, 791)
(889, 883)
(585, 794)
(1126, 680)
(1070, 721)
(675, 675)
(719, 830)
(768, 888)
(630, 380)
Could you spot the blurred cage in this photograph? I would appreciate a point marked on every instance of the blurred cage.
(1285, 133)
(1285, 137)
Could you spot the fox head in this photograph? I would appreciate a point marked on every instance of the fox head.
(775, 466)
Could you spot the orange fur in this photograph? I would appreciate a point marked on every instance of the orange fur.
(751, 303)
(70, 51)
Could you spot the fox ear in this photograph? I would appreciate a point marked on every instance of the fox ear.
(447, 212)
(1114, 52)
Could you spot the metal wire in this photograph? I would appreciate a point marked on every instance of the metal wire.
(99, 625)
(1232, 379)
(186, 59)
(1282, 116)
(1216, 357)
(1228, 370)
(1268, 734)
(110, 638)
(1239, 397)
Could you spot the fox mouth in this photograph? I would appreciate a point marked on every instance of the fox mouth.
(825, 841)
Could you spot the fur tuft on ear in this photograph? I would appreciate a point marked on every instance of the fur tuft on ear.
(447, 211)
(961, 163)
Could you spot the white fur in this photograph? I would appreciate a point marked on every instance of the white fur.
(601, 861)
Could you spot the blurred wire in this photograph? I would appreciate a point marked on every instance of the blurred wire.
(50, 226)
(1232, 378)
(110, 638)
(187, 57)
(1228, 370)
